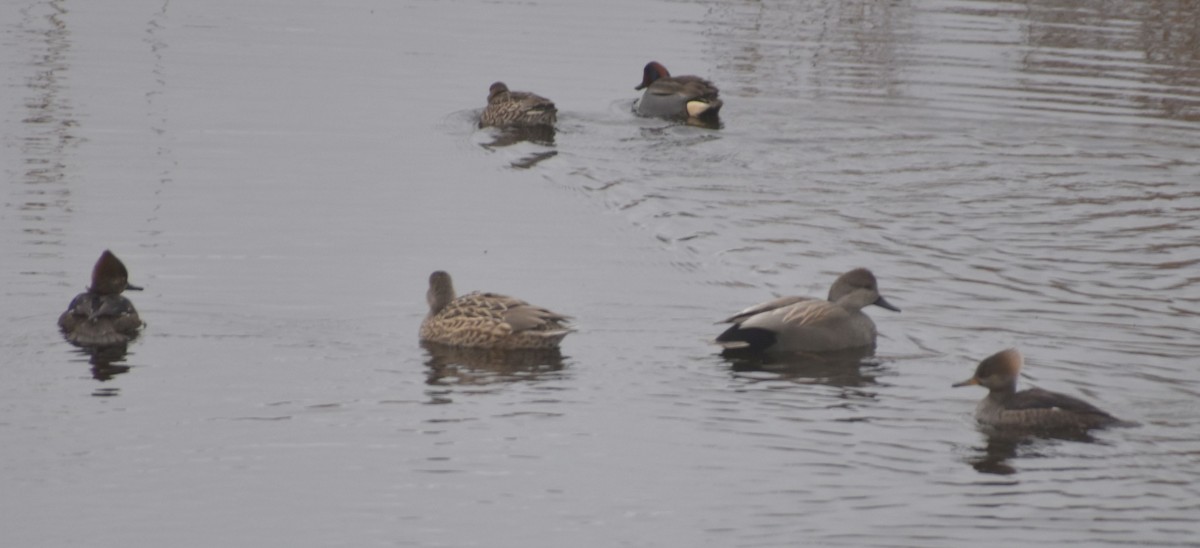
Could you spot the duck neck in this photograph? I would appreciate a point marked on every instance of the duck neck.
(107, 286)
(438, 298)
(1003, 393)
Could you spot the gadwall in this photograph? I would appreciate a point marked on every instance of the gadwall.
(1034, 408)
(488, 320)
(516, 109)
(669, 96)
(809, 324)
(100, 316)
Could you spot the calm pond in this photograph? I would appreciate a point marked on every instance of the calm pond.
(282, 177)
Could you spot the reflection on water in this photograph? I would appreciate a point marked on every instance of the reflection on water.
(1003, 446)
(709, 122)
(1093, 57)
(49, 123)
(846, 369)
(105, 370)
(542, 136)
(106, 363)
(158, 112)
(448, 366)
(533, 159)
(1079, 56)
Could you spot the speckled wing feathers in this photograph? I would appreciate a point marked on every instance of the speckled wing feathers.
(1037, 398)
(99, 320)
(1048, 419)
(519, 109)
(495, 321)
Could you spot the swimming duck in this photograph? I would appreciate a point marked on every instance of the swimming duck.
(1033, 408)
(669, 96)
(487, 320)
(516, 109)
(100, 316)
(809, 324)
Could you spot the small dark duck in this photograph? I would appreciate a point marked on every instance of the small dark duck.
(101, 316)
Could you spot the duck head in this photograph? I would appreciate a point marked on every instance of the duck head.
(997, 372)
(653, 71)
(441, 291)
(109, 276)
(858, 289)
(497, 90)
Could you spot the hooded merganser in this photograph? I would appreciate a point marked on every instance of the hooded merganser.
(100, 316)
(1033, 408)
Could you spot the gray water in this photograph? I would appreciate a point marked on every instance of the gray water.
(283, 176)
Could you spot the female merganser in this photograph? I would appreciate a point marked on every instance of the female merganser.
(1034, 408)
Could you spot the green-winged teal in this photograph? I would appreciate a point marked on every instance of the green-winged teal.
(669, 96)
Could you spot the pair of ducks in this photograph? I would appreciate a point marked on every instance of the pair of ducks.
(666, 96)
(786, 324)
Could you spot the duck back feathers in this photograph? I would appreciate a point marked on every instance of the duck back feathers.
(507, 108)
(488, 320)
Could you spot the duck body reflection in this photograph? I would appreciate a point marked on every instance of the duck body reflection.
(484, 366)
(845, 368)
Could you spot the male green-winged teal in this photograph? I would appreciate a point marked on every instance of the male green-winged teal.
(809, 324)
(1031, 409)
(676, 97)
(488, 320)
(516, 109)
(101, 316)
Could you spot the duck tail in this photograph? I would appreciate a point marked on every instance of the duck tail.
(751, 338)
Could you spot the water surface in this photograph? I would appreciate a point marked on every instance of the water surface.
(283, 176)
